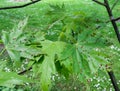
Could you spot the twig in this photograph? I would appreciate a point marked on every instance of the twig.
(19, 6)
(3, 50)
(24, 71)
(103, 4)
(112, 20)
(116, 19)
(114, 4)
(51, 25)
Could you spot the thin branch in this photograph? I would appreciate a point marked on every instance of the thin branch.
(112, 21)
(116, 19)
(3, 50)
(20, 6)
(24, 71)
(103, 4)
(114, 4)
(113, 80)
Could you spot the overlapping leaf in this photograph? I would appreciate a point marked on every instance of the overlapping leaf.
(10, 79)
(47, 68)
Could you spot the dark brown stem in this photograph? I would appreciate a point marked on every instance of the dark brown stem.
(112, 19)
(103, 4)
(116, 19)
(20, 6)
(113, 80)
(24, 71)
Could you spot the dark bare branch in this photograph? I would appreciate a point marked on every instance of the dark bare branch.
(111, 19)
(116, 19)
(103, 4)
(113, 80)
(20, 6)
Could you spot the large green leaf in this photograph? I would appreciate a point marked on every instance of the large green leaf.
(81, 61)
(67, 52)
(52, 48)
(47, 68)
(11, 40)
(18, 44)
(10, 79)
(15, 55)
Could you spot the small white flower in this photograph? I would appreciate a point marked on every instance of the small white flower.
(112, 47)
(97, 85)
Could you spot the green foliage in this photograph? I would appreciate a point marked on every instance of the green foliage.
(70, 84)
(10, 79)
(71, 43)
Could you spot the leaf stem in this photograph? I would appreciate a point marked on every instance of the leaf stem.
(3, 50)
